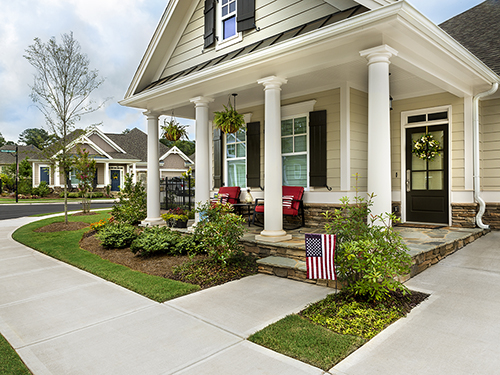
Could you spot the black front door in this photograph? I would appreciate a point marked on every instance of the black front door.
(427, 180)
(115, 180)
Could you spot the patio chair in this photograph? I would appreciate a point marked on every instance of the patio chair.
(292, 204)
(228, 194)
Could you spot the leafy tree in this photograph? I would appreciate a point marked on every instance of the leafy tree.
(131, 207)
(85, 171)
(2, 140)
(61, 90)
(25, 176)
(36, 137)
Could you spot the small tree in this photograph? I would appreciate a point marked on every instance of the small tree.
(61, 91)
(131, 207)
(85, 168)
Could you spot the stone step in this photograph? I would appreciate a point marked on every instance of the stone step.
(289, 268)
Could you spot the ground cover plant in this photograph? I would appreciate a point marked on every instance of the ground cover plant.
(11, 363)
(64, 245)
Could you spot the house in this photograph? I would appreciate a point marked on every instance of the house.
(115, 155)
(330, 89)
(8, 155)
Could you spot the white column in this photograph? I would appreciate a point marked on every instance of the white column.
(106, 174)
(153, 188)
(345, 137)
(379, 127)
(57, 176)
(273, 206)
(203, 157)
(134, 173)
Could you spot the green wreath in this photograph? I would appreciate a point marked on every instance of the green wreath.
(426, 147)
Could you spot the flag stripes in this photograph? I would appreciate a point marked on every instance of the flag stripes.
(320, 256)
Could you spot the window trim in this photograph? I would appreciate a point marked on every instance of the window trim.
(226, 159)
(219, 29)
(307, 152)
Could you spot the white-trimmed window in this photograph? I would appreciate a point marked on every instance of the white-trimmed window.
(294, 150)
(228, 19)
(236, 159)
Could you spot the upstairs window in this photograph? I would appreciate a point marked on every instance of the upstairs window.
(228, 18)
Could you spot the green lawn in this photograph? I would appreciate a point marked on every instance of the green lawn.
(301, 339)
(10, 363)
(64, 246)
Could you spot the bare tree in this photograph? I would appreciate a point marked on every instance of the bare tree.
(61, 91)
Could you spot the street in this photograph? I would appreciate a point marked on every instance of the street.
(12, 211)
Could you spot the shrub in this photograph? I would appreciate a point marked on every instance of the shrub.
(117, 235)
(42, 190)
(188, 244)
(156, 240)
(97, 194)
(131, 207)
(219, 230)
(97, 226)
(370, 254)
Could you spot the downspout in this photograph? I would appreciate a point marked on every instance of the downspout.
(477, 182)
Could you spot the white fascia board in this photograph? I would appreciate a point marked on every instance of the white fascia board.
(400, 11)
(165, 38)
(374, 4)
(119, 161)
(176, 150)
(107, 140)
(84, 139)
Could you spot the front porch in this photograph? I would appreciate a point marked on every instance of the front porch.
(287, 259)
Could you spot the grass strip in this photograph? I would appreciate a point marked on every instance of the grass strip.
(10, 362)
(301, 339)
(64, 246)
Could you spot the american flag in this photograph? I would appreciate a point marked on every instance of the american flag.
(320, 256)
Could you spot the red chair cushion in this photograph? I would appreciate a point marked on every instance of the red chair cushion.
(233, 193)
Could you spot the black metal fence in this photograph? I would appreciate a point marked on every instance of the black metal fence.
(176, 192)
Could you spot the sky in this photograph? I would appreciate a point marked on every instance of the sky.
(114, 34)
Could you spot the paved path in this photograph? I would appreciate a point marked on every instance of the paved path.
(456, 331)
(62, 320)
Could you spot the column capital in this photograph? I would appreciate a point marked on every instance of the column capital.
(379, 54)
(151, 114)
(272, 82)
(201, 101)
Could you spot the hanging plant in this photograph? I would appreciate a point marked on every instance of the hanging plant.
(173, 131)
(229, 120)
(426, 147)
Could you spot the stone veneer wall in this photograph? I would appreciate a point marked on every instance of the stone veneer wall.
(464, 215)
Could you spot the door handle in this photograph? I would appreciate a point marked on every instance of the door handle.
(408, 185)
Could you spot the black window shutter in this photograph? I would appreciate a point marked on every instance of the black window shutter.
(253, 154)
(209, 12)
(217, 158)
(317, 148)
(245, 18)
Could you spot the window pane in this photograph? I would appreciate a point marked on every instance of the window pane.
(240, 136)
(232, 7)
(286, 145)
(417, 163)
(241, 150)
(437, 162)
(438, 116)
(436, 180)
(286, 127)
(224, 2)
(418, 181)
(236, 173)
(229, 27)
(224, 10)
(300, 143)
(300, 125)
(231, 151)
(230, 138)
(295, 170)
(416, 118)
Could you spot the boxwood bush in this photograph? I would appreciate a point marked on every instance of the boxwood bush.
(117, 235)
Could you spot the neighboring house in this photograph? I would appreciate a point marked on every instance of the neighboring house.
(115, 155)
(330, 89)
(8, 158)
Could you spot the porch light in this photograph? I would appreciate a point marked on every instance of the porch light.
(390, 102)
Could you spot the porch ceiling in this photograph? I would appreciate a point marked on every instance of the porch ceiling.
(428, 61)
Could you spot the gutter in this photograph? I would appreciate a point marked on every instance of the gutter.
(477, 186)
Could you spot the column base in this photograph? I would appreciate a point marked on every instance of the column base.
(152, 222)
(273, 236)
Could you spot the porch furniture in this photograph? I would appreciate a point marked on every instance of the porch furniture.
(292, 204)
(244, 209)
(228, 194)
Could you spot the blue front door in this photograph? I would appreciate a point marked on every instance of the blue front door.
(44, 174)
(115, 180)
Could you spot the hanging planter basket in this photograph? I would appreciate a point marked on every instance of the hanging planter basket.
(229, 120)
(426, 147)
(173, 131)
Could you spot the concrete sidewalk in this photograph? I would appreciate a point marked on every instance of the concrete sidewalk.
(62, 320)
(456, 331)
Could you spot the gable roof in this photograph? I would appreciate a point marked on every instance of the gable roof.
(135, 144)
(478, 30)
(24, 152)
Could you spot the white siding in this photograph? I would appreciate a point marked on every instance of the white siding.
(490, 144)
